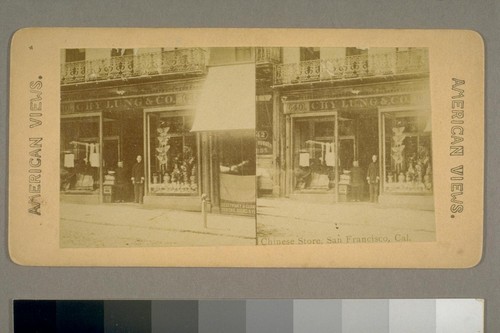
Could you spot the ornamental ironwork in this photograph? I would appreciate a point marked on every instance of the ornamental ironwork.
(181, 61)
(414, 61)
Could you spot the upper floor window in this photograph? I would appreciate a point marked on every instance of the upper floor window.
(309, 53)
(75, 55)
(121, 52)
(243, 53)
(229, 55)
(354, 51)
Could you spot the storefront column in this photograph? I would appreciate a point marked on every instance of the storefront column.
(205, 165)
(101, 150)
(277, 155)
(213, 176)
(287, 169)
(337, 157)
(381, 152)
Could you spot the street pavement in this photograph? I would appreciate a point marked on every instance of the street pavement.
(132, 225)
(279, 221)
(290, 222)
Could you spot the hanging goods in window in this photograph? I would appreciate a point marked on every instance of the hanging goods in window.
(397, 150)
(329, 155)
(69, 160)
(94, 155)
(163, 147)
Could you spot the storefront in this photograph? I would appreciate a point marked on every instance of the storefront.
(189, 113)
(99, 129)
(327, 129)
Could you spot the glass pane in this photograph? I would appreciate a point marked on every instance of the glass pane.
(173, 160)
(237, 154)
(80, 155)
(408, 154)
(314, 154)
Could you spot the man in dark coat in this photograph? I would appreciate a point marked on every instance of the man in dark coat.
(373, 178)
(138, 179)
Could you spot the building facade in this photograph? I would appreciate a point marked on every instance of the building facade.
(180, 109)
(333, 106)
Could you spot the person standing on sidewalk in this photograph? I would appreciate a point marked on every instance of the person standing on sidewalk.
(373, 178)
(138, 179)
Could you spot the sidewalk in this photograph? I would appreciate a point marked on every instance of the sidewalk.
(282, 219)
(131, 225)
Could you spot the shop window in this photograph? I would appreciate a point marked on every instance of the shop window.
(408, 154)
(173, 153)
(309, 53)
(236, 154)
(314, 154)
(80, 155)
(75, 55)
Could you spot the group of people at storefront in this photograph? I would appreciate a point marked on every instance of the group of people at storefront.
(123, 179)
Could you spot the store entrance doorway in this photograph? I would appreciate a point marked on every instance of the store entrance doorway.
(358, 142)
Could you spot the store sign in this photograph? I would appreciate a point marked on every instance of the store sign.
(264, 142)
(262, 135)
(125, 103)
(352, 103)
(129, 103)
(264, 147)
(237, 208)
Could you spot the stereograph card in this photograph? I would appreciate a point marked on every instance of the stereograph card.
(246, 148)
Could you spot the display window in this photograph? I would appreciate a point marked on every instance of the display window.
(407, 163)
(236, 154)
(173, 153)
(314, 154)
(80, 154)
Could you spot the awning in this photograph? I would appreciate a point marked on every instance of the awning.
(227, 100)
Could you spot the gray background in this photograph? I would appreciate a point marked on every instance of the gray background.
(164, 283)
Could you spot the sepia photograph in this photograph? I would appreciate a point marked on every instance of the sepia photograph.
(158, 146)
(335, 143)
(344, 155)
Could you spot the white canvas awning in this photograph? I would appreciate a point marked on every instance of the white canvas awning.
(227, 100)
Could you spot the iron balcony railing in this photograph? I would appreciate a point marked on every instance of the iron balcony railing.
(414, 61)
(181, 61)
(266, 55)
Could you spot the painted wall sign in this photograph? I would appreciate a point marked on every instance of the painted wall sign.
(129, 103)
(353, 103)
